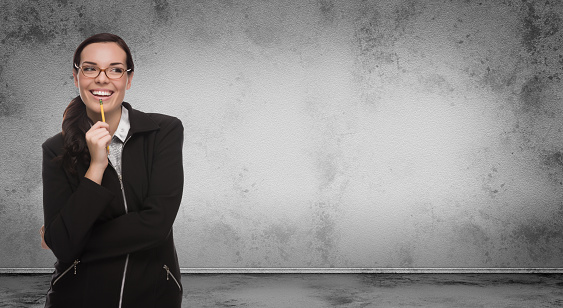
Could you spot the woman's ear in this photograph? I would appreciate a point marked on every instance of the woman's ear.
(75, 78)
(129, 78)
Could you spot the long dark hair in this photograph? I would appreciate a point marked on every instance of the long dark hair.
(75, 119)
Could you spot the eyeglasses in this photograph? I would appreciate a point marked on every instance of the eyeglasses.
(92, 71)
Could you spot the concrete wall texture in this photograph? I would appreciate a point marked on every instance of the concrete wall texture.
(317, 133)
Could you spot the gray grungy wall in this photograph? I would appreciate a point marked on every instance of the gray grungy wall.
(319, 133)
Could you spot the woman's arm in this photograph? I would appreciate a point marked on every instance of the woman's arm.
(150, 226)
(68, 215)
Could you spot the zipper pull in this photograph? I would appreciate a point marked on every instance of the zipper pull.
(75, 263)
(167, 271)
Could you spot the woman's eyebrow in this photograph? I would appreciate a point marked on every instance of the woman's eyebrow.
(94, 63)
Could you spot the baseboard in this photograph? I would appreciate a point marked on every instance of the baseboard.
(206, 270)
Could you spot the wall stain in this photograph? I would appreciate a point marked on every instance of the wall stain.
(437, 83)
(243, 184)
(327, 9)
(543, 42)
(542, 240)
(535, 92)
(405, 256)
(531, 93)
(265, 24)
(541, 50)
(534, 233)
(373, 44)
(537, 27)
(32, 28)
(553, 165)
(9, 109)
(542, 56)
(3, 205)
(472, 234)
(49, 23)
(229, 236)
(162, 9)
(8, 106)
(491, 184)
(90, 24)
(4, 105)
(404, 13)
(323, 232)
(88, 27)
(328, 166)
(499, 76)
(280, 235)
(376, 33)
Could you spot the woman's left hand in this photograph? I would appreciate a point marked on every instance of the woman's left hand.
(42, 232)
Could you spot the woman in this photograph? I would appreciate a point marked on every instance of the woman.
(111, 191)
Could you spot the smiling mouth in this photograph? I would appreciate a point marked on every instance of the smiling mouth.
(101, 93)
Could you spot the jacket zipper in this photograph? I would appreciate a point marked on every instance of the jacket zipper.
(67, 270)
(169, 273)
(120, 177)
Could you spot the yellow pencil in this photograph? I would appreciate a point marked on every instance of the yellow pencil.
(103, 116)
(102, 110)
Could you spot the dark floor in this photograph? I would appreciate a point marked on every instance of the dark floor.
(335, 290)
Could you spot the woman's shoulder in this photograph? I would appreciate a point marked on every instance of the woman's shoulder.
(164, 120)
(158, 119)
(54, 143)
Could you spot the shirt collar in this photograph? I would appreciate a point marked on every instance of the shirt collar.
(124, 125)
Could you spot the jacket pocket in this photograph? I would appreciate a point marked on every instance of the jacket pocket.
(67, 270)
(169, 274)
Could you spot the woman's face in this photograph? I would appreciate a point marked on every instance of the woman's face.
(110, 91)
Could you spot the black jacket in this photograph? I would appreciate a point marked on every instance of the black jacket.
(96, 241)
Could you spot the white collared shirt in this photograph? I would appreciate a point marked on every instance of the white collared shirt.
(118, 140)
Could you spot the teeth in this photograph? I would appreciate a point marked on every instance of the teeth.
(102, 93)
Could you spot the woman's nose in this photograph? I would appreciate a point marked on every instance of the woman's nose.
(102, 77)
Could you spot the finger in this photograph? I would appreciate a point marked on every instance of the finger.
(98, 134)
(99, 128)
(100, 124)
(105, 144)
(102, 143)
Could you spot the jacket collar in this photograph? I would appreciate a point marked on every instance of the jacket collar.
(140, 121)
